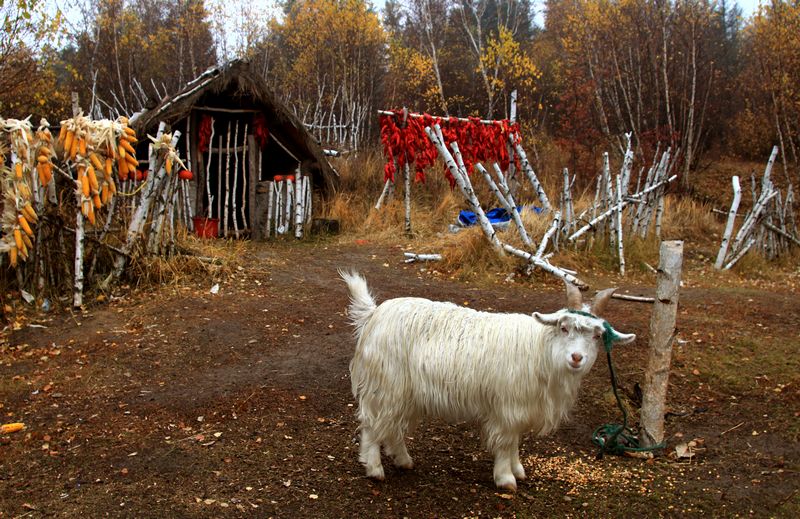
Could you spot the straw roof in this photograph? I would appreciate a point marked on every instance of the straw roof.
(235, 85)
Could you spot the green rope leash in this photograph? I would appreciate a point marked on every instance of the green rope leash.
(615, 438)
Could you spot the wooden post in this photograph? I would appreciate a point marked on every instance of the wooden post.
(77, 294)
(726, 236)
(662, 333)
(254, 172)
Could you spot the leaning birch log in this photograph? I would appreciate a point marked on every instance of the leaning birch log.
(232, 188)
(550, 231)
(726, 236)
(411, 257)
(434, 134)
(752, 218)
(493, 186)
(407, 195)
(383, 194)
(662, 334)
(526, 167)
(547, 267)
(510, 209)
(566, 209)
(740, 254)
(612, 210)
(154, 182)
(781, 232)
(298, 206)
(619, 228)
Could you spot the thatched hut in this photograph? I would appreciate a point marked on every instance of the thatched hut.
(237, 136)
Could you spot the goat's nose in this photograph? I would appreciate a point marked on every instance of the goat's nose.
(577, 357)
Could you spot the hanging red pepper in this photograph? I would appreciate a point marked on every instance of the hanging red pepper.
(260, 130)
(204, 133)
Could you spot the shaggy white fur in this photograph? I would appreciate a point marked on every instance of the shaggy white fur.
(512, 373)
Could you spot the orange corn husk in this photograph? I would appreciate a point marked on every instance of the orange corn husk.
(129, 132)
(23, 222)
(42, 159)
(90, 214)
(68, 138)
(122, 166)
(109, 166)
(82, 146)
(92, 179)
(30, 213)
(18, 170)
(168, 165)
(12, 256)
(62, 133)
(73, 150)
(123, 143)
(96, 161)
(85, 187)
(96, 201)
(7, 428)
(27, 241)
(104, 192)
(18, 239)
(112, 186)
(132, 162)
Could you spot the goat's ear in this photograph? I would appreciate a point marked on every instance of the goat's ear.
(574, 297)
(547, 319)
(601, 300)
(624, 338)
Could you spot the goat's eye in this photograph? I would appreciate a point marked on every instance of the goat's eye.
(564, 329)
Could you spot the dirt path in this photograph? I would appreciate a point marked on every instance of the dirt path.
(180, 403)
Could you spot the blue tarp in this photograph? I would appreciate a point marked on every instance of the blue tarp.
(496, 215)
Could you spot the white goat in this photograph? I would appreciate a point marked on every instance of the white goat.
(512, 373)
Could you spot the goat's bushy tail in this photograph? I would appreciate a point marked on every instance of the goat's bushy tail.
(362, 304)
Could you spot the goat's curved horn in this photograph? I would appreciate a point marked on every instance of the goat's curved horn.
(574, 297)
(601, 300)
(624, 338)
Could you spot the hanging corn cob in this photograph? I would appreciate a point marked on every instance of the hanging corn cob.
(19, 216)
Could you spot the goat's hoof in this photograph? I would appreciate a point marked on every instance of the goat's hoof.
(507, 483)
(518, 472)
(405, 463)
(376, 473)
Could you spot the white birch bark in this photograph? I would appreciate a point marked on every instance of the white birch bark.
(243, 209)
(270, 201)
(726, 236)
(411, 257)
(526, 167)
(208, 171)
(620, 246)
(407, 196)
(232, 188)
(462, 180)
(509, 206)
(385, 191)
(550, 231)
(219, 182)
(298, 206)
(279, 207)
(546, 266)
(289, 206)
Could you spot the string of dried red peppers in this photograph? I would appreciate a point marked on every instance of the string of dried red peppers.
(477, 141)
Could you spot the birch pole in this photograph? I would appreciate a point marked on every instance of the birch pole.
(287, 209)
(434, 134)
(77, 294)
(298, 206)
(208, 171)
(526, 167)
(219, 183)
(726, 236)
(619, 228)
(407, 195)
(232, 188)
(270, 200)
(243, 208)
(662, 333)
(504, 201)
(386, 187)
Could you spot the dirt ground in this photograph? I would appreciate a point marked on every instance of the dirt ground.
(175, 402)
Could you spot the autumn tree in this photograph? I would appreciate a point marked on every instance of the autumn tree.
(772, 74)
(27, 36)
(133, 53)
